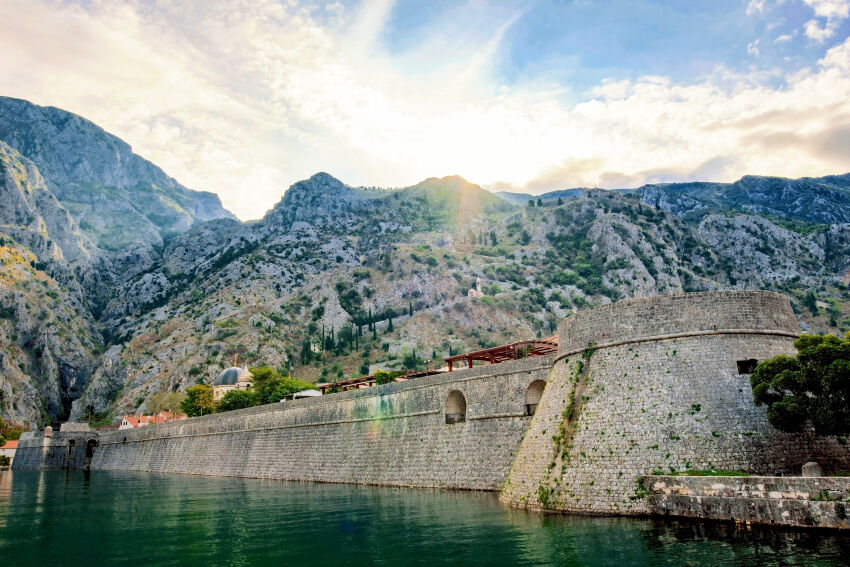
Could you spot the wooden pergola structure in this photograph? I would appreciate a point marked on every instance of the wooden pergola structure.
(369, 381)
(513, 351)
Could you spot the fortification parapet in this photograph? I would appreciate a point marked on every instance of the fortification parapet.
(671, 316)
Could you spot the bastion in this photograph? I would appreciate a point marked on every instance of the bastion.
(658, 385)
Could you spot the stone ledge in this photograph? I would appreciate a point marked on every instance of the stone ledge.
(821, 502)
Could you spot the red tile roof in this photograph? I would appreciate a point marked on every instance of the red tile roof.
(10, 445)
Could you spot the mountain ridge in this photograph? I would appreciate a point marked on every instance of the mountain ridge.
(371, 278)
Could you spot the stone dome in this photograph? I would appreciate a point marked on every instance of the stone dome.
(231, 376)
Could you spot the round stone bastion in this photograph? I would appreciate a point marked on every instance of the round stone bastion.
(659, 385)
(671, 316)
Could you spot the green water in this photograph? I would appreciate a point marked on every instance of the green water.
(70, 518)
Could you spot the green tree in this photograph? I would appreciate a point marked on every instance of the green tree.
(270, 386)
(384, 377)
(165, 401)
(813, 386)
(560, 201)
(524, 238)
(531, 203)
(198, 401)
(539, 202)
(811, 303)
(236, 399)
(411, 361)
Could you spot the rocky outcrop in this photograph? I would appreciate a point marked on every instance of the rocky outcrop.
(116, 196)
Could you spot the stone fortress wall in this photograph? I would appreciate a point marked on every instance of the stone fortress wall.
(640, 387)
(72, 447)
(653, 386)
(396, 434)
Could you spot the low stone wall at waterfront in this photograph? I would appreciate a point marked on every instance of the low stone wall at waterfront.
(395, 434)
(59, 450)
(822, 502)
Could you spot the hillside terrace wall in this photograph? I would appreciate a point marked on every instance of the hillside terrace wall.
(395, 434)
(660, 392)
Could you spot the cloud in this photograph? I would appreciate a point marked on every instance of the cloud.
(244, 99)
(832, 13)
(755, 7)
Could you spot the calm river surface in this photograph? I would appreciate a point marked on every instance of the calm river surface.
(70, 518)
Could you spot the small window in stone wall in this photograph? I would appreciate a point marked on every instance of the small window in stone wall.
(747, 366)
(533, 395)
(71, 444)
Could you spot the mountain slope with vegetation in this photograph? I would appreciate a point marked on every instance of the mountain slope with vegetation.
(337, 281)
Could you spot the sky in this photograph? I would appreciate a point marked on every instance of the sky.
(244, 98)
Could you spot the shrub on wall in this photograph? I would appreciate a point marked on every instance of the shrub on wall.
(813, 386)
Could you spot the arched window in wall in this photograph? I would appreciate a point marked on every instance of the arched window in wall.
(455, 407)
(533, 395)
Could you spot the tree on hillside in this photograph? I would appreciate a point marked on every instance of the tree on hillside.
(271, 386)
(813, 386)
(198, 401)
(165, 401)
(811, 303)
(236, 399)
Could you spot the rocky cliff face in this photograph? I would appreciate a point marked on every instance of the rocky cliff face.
(116, 197)
(338, 280)
(48, 270)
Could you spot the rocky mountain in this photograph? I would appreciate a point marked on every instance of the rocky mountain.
(337, 280)
(116, 197)
(523, 198)
(816, 200)
(49, 341)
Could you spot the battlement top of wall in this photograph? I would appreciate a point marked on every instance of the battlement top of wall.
(663, 315)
